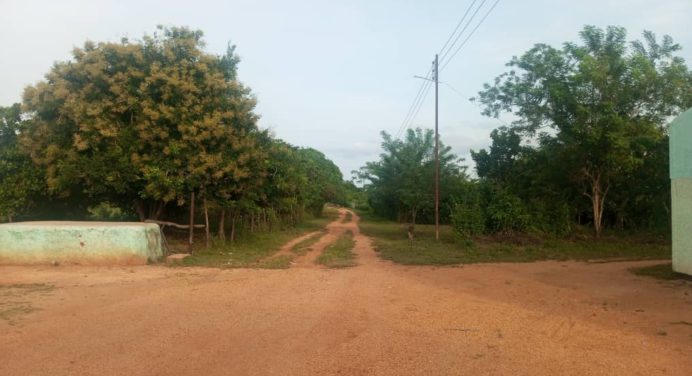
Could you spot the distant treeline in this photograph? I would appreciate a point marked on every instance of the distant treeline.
(588, 144)
(131, 130)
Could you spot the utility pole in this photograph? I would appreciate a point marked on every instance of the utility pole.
(436, 78)
(436, 72)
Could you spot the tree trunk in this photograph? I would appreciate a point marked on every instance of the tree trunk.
(158, 211)
(222, 225)
(192, 222)
(149, 209)
(207, 235)
(597, 196)
(139, 208)
(233, 228)
(9, 218)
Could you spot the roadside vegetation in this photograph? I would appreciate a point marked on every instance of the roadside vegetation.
(304, 246)
(392, 243)
(255, 250)
(340, 253)
(159, 129)
(580, 173)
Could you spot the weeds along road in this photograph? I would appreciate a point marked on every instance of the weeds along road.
(377, 318)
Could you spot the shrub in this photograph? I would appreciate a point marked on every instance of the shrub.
(105, 211)
(467, 216)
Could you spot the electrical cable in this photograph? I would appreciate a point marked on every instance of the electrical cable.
(457, 27)
(470, 35)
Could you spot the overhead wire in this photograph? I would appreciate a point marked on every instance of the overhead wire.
(428, 85)
(457, 27)
(444, 55)
(412, 108)
(415, 107)
(444, 65)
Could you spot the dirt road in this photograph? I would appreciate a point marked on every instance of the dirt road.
(547, 318)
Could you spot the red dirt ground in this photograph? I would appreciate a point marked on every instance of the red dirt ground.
(545, 318)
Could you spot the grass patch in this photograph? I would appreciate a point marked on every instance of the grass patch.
(662, 271)
(280, 262)
(340, 254)
(304, 246)
(392, 243)
(13, 303)
(20, 289)
(252, 250)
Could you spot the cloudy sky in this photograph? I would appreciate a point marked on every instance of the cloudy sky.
(333, 74)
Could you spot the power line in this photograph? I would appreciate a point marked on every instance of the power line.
(428, 85)
(418, 100)
(471, 34)
(464, 29)
(457, 28)
(412, 108)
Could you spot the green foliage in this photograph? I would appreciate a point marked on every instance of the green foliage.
(105, 211)
(20, 181)
(590, 138)
(391, 242)
(505, 213)
(401, 184)
(324, 181)
(141, 125)
(154, 119)
(468, 217)
(253, 249)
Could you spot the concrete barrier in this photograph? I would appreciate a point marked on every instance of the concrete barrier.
(682, 225)
(102, 243)
(681, 191)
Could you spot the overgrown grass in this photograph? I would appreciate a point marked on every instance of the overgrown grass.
(392, 243)
(340, 253)
(253, 250)
(304, 246)
(661, 271)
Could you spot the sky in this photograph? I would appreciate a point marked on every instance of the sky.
(333, 74)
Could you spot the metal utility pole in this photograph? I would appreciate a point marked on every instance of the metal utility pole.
(436, 73)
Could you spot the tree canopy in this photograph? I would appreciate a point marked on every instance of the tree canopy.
(401, 184)
(599, 107)
(142, 124)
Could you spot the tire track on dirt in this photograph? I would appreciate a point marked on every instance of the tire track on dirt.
(334, 230)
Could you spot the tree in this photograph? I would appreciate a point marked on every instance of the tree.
(401, 183)
(325, 181)
(597, 103)
(142, 122)
(20, 180)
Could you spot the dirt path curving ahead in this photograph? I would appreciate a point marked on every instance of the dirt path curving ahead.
(377, 318)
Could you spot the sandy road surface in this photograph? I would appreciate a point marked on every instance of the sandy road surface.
(547, 318)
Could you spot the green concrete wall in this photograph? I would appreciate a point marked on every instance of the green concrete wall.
(681, 191)
(80, 242)
(681, 146)
(682, 225)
